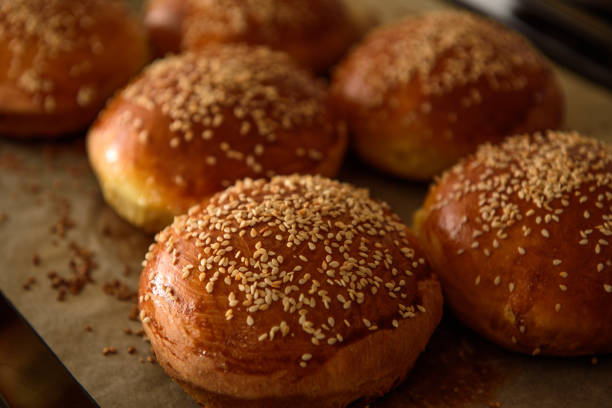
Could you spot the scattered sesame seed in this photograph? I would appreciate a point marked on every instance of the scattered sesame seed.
(528, 180)
(262, 90)
(258, 277)
(473, 49)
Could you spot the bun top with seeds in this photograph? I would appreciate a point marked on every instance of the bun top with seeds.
(61, 59)
(427, 90)
(288, 282)
(520, 235)
(314, 32)
(192, 124)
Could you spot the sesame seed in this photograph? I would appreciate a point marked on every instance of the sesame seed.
(543, 176)
(199, 92)
(414, 48)
(258, 278)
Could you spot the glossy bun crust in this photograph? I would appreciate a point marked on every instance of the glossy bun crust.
(61, 59)
(298, 292)
(427, 90)
(193, 124)
(316, 33)
(520, 235)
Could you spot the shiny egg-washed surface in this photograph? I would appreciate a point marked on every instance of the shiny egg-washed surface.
(42, 185)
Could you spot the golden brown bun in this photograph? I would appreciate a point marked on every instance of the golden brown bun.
(298, 292)
(427, 90)
(193, 124)
(61, 59)
(316, 33)
(519, 235)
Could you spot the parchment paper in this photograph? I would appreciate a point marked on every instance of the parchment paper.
(49, 200)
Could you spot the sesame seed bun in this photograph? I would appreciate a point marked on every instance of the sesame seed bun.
(316, 33)
(298, 292)
(520, 235)
(193, 124)
(61, 60)
(427, 90)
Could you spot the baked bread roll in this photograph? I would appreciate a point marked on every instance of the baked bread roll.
(519, 235)
(316, 33)
(61, 59)
(427, 90)
(298, 292)
(193, 124)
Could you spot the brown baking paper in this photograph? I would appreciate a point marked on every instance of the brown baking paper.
(52, 212)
